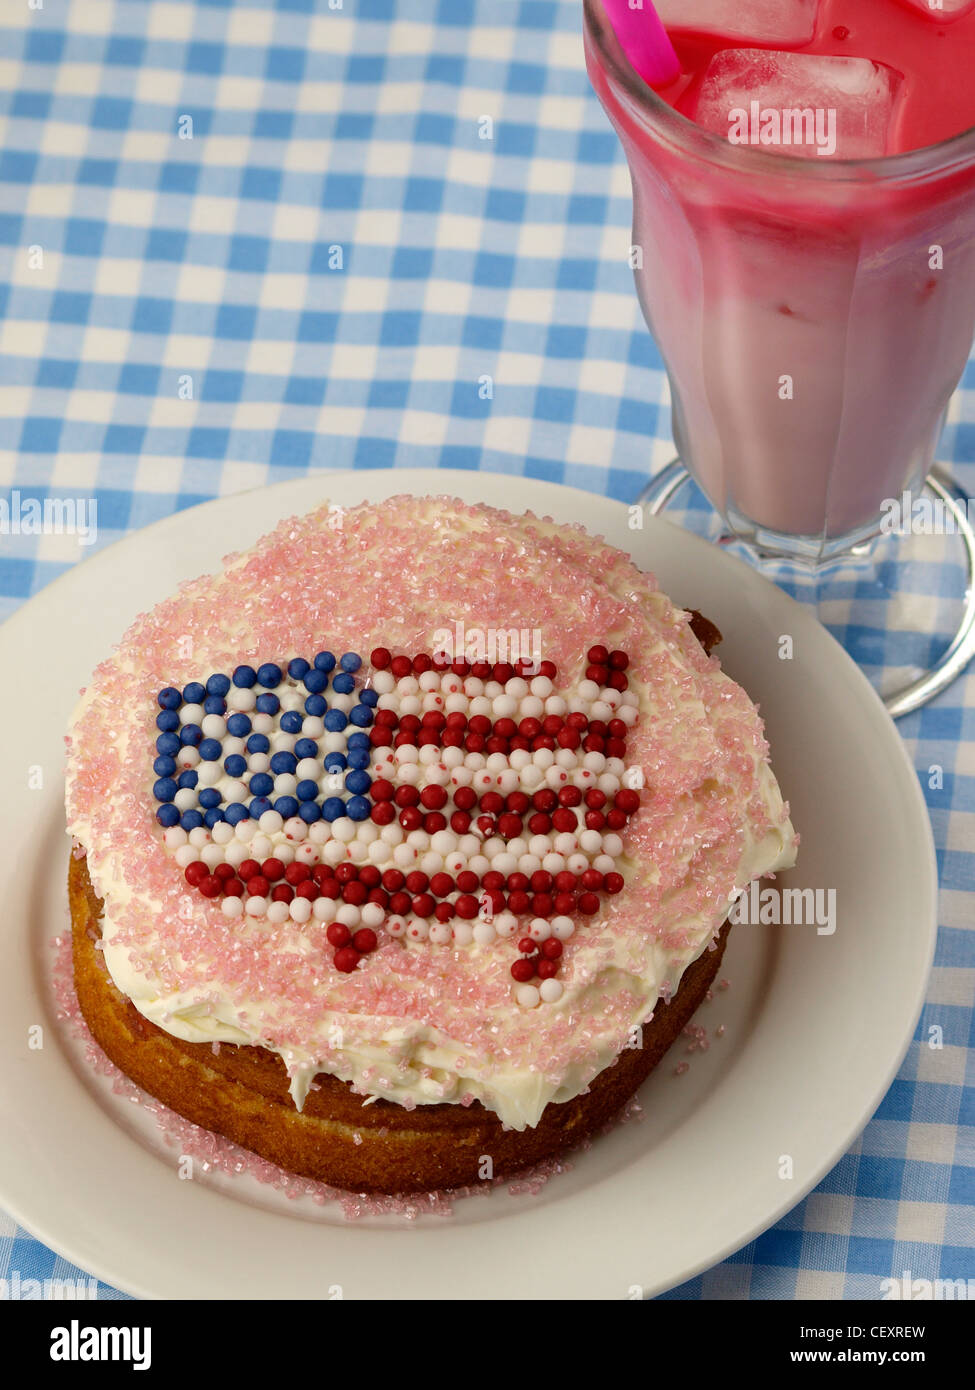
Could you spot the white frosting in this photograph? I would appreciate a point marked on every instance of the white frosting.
(613, 975)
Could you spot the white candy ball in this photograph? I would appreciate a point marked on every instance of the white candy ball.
(506, 923)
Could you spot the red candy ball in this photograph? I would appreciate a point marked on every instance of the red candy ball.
(346, 959)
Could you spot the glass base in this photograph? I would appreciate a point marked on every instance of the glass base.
(902, 605)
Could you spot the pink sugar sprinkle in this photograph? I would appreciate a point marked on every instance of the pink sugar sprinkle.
(696, 741)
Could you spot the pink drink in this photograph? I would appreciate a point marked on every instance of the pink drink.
(815, 314)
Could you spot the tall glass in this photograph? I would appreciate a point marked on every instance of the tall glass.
(814, 315)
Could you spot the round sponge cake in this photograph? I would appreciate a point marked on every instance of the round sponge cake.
(430, 816)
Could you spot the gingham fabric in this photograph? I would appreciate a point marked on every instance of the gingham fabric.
(240, 240)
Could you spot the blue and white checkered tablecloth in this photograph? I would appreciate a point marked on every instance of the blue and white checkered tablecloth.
(244, 239)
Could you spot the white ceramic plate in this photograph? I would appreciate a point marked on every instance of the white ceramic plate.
(815, 1025)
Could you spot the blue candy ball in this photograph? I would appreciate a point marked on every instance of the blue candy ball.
(194, 692)
(358, 740)
(298, 668)
(359, 757)
(335, 762)
(332, 808)
(283, 762)
(164, 767)
(357, 808)
(269, 675)
(306, 790)
(310, 811)
(210, 749)
(291, 722)
(306, 748)
(316, 682)
(214, 704)
(167, 816)
(258, 743)
(209, 797)
(235, 765)
(268, 704)
(316, 705)
(211, 817)
(360, 715)
(325, 661)
(369, 697)
(191, 820)
(258, 806)
(335, 721)
(191, 735)
(351, 661)
(169, 698)
(245, 677)
(286, 807)
(168, 744)
(165, 789)
(218, 685)
(189, 778)
(358, 781)
(261, 784)
(167, 721)
(235, 812)
(239, 725)
(343, 683)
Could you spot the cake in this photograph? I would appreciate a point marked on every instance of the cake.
(404, 845)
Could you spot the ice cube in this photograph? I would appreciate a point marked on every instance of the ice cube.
(758, 21)
(941, 11)
(797, 103)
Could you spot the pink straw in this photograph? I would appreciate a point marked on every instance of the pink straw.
(644, 40)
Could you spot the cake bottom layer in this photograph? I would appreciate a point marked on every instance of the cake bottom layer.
(242, 1092)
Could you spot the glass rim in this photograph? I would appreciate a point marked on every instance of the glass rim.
(937, 158)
